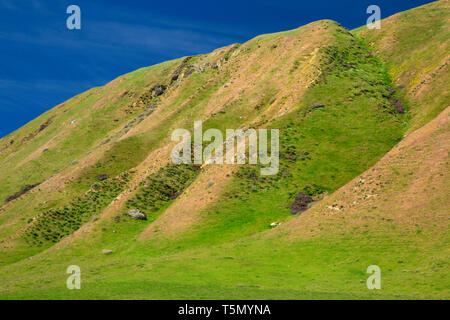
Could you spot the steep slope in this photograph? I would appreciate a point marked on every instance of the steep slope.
(415, 47)
(67, 152)
(321, 254)
(208, 234)
(404, 194)
(271, 81)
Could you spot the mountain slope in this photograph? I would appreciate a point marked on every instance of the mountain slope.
(208, 232)
(395, 229)
(415, 47)
(256, 87)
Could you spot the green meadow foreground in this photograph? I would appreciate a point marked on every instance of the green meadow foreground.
(364, 131)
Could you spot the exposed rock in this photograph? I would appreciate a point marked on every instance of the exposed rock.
(178, 72)
(334, 207)
(24, 190)
(106, 141)
(74, 162)
(135, 214)
(158, 90)
(175, 195)
(391, 91)
(188, 72)
(184, 69)
(301, 203)
(275, 224)
(45, 124)
(398, 105)
(348, 66)
(101, 177)
(317, 105)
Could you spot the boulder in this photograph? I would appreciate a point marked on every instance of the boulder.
(317, 105)
(158, 90)
(107, 251)
(274, 224)
(135, 214)
(101, 177)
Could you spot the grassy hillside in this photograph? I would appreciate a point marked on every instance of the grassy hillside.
(415, 46)
(68, 176)
(340, 237)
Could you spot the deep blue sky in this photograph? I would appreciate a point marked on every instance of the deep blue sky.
(42, 63)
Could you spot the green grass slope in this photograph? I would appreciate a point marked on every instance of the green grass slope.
(415, 46)
(208, 232)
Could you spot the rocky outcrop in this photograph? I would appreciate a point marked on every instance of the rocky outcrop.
(158, 90)
(135, 214)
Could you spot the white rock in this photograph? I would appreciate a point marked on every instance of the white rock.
(274, 224)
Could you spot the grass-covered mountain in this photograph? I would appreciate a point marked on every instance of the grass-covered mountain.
(414, 45)
(363, 131)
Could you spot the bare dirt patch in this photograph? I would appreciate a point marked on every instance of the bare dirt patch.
(186, 209)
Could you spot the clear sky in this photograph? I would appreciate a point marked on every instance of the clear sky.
(42, 63)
